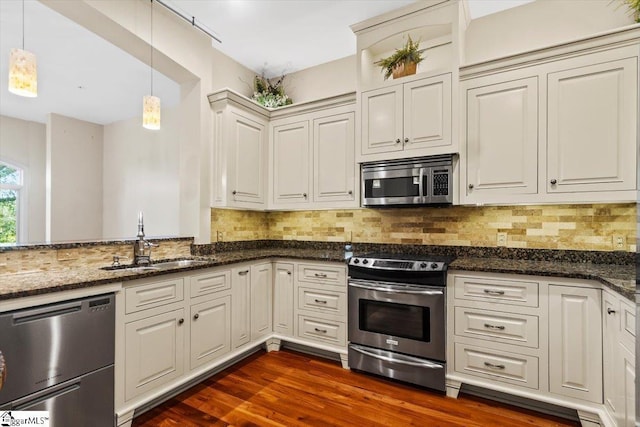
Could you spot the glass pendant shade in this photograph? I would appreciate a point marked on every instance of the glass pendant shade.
(23, 75)
(151, 112)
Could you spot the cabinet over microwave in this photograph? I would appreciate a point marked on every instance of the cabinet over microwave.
(416, 181)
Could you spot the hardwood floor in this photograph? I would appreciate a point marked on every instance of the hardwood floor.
(286, 388)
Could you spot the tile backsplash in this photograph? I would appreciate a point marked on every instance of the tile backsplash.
(579, 227)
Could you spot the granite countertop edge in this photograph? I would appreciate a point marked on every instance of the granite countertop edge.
(619, 278)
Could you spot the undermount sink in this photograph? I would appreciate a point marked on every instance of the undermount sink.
(159, 266)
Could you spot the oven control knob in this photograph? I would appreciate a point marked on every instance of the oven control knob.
(423, 265)
(434, 265)
(356, 261)
(365, 261)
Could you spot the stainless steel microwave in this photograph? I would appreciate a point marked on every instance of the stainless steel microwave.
(417, 181)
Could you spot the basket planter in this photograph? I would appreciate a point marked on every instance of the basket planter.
(404, 69)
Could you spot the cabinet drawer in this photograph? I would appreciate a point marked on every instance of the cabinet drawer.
(324, 331)
(512, 292)
(208, 283)
(324, 301)
(628, 326)
(499, 366)
(153, 295)
(325, 274)
(509, 328)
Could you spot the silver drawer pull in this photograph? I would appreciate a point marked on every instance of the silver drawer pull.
(320, 301)
(486, 325)
(492, 366)
(243, 272)
(492, 292)
(324, 331)
(321, 275)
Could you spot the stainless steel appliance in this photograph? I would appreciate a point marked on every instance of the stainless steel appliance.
(397, 317)
(418, 181)
(59, 358)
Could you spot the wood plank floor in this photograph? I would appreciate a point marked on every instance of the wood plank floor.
(287, 388)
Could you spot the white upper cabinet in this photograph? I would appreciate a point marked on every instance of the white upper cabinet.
(592, 121)
(312, 157)
(414, 115)
(291, 163)
(409, 120)
(554, 126)
(501, 138)
(239, 152)
(333, 158)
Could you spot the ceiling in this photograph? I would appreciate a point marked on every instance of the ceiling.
(82, 75)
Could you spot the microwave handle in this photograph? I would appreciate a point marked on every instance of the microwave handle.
(420, 183)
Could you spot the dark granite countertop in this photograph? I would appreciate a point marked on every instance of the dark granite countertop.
(619, 277)
(18, 285)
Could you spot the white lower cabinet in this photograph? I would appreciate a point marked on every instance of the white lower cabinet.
(283, 304)
(261, 300)
(240, 303)
(154, 351)
(619, 358)
(541, 338)
(210, 330)
(575, 342)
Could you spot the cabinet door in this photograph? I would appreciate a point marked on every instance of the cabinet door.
(427, 113)
(291, 163)
(155, 352)
(501, 139)
(240, 306)
(610, 336)
(382, 120)
(283, 299)
(248, 163)
(626, 388)
(592, 120)
(575, 342)
(261, 302)
(333, 158)
(210, 330)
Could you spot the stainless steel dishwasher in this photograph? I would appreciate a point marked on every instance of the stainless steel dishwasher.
(59, 358)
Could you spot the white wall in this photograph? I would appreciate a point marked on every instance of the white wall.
(141, 171)
(185, 55)
(74, 179)
(322, 81)
(539, 24)
(23, 144)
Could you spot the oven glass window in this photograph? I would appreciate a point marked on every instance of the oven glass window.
(399, 320)
(392, 187)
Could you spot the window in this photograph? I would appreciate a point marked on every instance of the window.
(11, 182)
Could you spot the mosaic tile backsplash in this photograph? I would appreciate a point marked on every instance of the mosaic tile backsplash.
(579, 227)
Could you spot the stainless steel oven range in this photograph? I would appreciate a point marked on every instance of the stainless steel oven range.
(397, 317)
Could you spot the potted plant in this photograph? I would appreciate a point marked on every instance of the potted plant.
(634, 8)
(268, 93)
(403, 62)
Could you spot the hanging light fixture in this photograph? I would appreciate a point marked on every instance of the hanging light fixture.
(150, 103)
(23, 75)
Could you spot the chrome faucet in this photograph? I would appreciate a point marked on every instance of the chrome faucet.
(141, 247)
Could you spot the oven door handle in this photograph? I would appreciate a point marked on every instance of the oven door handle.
(394, 289)
(421, 363)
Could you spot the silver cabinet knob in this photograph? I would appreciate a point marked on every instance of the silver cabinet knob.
(180, 322)
(234, 192)
(406, 140)
(611, 311)
(196, 316)
(304, 195)
(470, 186)
(350, 192)
(398, 141)
(289, 273)
(553, 182)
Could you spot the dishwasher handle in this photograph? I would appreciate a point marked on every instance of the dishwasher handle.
(25, 316)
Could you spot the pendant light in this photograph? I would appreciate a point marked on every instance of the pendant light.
(150, 103)
(23, 75)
